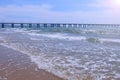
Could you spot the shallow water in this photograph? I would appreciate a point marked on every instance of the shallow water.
(71, 53)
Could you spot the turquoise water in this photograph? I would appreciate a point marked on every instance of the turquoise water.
(71, 53)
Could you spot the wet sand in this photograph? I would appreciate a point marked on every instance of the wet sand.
(17, 66)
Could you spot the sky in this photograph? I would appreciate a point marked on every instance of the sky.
(60, 11)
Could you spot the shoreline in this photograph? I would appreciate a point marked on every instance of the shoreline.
(17, 66)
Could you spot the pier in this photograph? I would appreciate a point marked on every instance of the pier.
(38, 25)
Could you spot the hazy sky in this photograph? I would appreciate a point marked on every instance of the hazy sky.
(66, 11)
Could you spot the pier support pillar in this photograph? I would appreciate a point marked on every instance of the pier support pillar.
(30, 25)
(84, 26)
(64, 25)
(12, 25)
(38, 25)
(45, 25)
(75, 25)
(58, 25)
(52, 25)
(3, 25)
(79, 25)
(21, 25)
(70, 25)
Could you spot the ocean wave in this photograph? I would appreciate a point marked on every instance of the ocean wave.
(64, 36)
(78, 30)
(54, 55)
(101, 40)
(59, 36)
(111, 40)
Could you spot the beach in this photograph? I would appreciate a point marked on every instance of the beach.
(18, 66)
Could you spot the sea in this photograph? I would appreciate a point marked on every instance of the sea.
(72, 53)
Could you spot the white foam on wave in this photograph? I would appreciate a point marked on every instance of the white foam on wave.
(35, 39)
(59, 36)
(110, 40)
(20, 30)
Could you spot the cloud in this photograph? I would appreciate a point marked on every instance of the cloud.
(104, 13)
(40, 12)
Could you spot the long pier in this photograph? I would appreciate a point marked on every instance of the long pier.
(38, 25)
